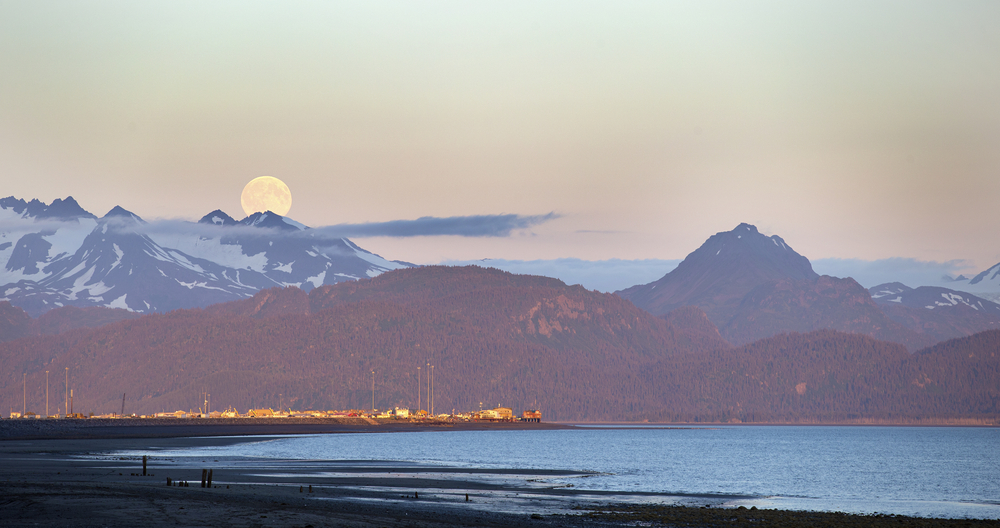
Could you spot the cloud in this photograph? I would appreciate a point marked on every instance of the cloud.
(909, 271)
(503, 225)
(601, 275)
(466, 226)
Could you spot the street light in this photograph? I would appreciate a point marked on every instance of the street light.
(67, 390)
(46, 394)
(373, 391)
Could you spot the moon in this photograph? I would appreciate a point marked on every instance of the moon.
(266, 193)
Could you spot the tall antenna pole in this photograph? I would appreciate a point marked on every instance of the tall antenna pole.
(432, 389)
(373, 391)
(419, 381)
(24, 394)
(429, 386)
(46, 394)
(67, 390)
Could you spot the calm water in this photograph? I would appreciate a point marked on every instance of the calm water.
(924, 471)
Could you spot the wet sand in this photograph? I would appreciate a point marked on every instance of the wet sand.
(89, 482)
(92, 482)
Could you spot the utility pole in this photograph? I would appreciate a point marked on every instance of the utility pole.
(429, 387)
(373, 391)
(432, 390)
(24, 394)
(46, 394)
(419, 381)
(67, 391)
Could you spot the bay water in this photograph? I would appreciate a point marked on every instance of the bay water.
(920, 471)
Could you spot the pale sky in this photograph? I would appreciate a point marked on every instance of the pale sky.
(855, 130)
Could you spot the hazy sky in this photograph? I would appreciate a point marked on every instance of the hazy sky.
(859, 130)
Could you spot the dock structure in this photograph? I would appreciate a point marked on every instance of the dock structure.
(532, 415)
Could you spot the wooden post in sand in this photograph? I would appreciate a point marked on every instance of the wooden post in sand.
(210, 478)
(204, 477)
(144, 465)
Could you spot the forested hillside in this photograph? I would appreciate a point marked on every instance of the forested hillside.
(16, 323)
(494, 338)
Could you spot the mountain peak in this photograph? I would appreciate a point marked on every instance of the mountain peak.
(746, 248)
(23, 208)
(217, 217)
(119, 212)
(67, 209)
(272, 220)
(990, 275)
(720, 272)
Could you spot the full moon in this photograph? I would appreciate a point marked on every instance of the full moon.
(266, 193)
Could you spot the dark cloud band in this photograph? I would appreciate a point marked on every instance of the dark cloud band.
(466, 226)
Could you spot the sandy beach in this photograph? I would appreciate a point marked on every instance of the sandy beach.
(76, 478)
(79, 482)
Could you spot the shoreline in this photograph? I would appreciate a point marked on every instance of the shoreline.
(94, 428)
(779, 424)
(95, 482)
(151, 428)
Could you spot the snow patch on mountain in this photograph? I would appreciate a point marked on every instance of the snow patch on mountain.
(229, 255)
(119, 303)
(374, 259)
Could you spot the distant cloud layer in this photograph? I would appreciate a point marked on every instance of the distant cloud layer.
(911, 272)
(601, 275)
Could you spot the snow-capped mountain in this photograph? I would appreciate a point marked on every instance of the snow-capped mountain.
(34, 235)
(930, 298)
(938, 312)
(985, 284)
(61, 255)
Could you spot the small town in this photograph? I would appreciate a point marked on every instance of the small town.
(497, 414)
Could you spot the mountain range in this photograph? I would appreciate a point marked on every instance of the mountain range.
(61, 255)
(497, 338)
(753, 286)
(742, 330)
(749, 285)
